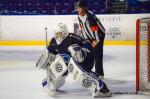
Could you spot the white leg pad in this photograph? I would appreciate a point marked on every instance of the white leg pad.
(55, 73)
(77, 73)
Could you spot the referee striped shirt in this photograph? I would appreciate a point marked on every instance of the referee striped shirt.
(91, 27)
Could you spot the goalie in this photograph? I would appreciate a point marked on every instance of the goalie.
(68, 54)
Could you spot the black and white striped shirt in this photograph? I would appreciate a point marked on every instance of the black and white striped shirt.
(91, 27)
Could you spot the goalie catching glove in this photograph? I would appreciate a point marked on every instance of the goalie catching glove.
(45, 60)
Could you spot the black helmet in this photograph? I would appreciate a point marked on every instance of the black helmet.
(81, 3)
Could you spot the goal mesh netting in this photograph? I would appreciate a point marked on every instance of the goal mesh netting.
(143, 54)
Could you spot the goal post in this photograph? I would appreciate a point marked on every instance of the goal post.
(137, 55)
(143, 55)
(149, 52)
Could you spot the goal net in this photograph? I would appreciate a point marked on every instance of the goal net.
(143, 55)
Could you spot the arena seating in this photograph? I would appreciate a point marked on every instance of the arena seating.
(135, 6)
(63, 7)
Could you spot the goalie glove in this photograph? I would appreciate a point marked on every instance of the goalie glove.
(77, 53)
(45, 60)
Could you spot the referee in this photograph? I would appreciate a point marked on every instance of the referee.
(93, 32)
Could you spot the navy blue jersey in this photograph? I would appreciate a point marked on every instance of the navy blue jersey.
(68, 41)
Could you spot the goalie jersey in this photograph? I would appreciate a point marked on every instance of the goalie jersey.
(68, 41)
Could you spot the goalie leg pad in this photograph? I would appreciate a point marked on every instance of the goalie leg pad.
(56, 73)
(80, 75)
(88, 79)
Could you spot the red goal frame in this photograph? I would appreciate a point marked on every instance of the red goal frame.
(138, 53)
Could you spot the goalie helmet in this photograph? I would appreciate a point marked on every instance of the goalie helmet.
(61, 32)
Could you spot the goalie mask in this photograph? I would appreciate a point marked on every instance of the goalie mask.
(61, 32)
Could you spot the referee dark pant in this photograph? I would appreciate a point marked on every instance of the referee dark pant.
(98, 56)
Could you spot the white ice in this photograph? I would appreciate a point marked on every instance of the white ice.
(19, 79)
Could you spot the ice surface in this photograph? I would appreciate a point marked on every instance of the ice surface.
(19, 79)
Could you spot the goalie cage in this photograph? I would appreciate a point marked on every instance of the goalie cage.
(143, 56)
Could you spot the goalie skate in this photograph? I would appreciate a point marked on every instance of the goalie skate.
(104, 92)
(51, 93)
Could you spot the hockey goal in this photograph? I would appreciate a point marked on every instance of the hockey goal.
(143, 55)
